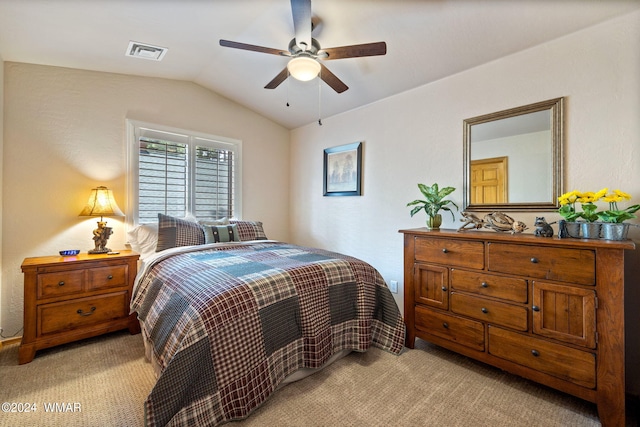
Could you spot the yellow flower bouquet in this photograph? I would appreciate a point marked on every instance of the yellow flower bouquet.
(614, 214)
(587, 201)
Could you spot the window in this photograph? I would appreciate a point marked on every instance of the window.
(176, 172)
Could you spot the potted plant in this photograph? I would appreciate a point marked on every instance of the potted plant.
(613, 227)
(568, 212)
(590, 229)
(433, 203)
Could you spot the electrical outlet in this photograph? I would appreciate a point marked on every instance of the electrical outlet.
(393, 286)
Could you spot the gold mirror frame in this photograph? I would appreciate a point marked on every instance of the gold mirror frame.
(555, 107)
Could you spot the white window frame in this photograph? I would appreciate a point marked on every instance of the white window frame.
(136, 129)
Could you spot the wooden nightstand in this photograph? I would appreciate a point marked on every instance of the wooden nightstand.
(71, 298)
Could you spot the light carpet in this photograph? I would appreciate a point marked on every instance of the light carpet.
(429, 386)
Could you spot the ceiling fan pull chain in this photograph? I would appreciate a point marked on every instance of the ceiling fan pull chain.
(319, 100)
(288, 84)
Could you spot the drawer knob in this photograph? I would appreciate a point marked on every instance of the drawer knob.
(534, 260)
(110, 277)
(86, 313)
(535, 353)
(484, 284)
(61, 283)
(445, 250)
(444, 288)
(484, 310)
(445, 325)
(535, 308)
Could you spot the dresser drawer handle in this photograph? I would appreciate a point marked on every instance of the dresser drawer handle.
(535, 308)
(87, 313)
(445, 250)
(534, 260)
(484, 310)
(110, 277)
(61, 283)
(484, 284)
(445, 325)
(535, 353)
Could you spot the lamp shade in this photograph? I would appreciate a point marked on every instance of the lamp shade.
(303, 68)
(101, 203)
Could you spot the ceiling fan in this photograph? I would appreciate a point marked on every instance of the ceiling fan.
(305, 51)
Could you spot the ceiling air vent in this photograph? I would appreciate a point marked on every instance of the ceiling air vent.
(146, 51)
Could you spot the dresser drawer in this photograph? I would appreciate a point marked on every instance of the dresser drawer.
(507, 288)
(566, 363)
(56, 317)
(453, 328)
(60, 283)
(490, 311)
(457, 253)
(559, 264)
(107, 277)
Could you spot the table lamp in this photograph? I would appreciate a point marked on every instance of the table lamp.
(101, 203)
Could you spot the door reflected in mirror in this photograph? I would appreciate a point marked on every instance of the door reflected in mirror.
(513, 158)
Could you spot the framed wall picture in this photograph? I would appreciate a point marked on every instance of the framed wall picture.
(343, 170)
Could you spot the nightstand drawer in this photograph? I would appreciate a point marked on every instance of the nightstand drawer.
(57, 317)
(107, 277)
(60, 283)
(486, 310)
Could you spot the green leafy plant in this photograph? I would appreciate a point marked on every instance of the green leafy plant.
(434, 200)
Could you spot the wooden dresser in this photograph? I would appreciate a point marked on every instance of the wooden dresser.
(547, 309)
(71, 298)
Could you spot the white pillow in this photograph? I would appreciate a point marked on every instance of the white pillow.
(223, 221)
(143, 239)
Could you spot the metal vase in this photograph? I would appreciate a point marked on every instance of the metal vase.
(615, 231)
(573, 229)
(590, 230)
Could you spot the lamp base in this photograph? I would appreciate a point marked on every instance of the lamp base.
(99, 251)
(100, 237)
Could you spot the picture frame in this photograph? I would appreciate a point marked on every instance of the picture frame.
(342, 173)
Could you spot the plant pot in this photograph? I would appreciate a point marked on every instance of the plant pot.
(434, 222)
(573, 229)
(615, 231)
(590, 230)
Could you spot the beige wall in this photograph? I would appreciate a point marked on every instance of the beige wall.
(417, 136)
(64, 133)
(2, 290)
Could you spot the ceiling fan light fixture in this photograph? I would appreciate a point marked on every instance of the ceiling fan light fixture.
(303, 68)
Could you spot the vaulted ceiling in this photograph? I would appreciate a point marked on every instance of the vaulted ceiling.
(427, 40)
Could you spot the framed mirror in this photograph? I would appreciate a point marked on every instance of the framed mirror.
(513, 159)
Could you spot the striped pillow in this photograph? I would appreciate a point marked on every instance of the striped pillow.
(249, 230)
(174, 232)
(221, 233)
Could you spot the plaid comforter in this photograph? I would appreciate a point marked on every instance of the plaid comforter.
(228, 323)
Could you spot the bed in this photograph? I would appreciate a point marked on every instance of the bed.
(230, 317)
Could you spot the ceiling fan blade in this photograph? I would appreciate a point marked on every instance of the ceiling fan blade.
(354, 51)
(254, 48)
(329, 78)
(282, 76)
(301, 11)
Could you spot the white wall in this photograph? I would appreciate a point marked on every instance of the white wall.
(417, 137)
(64, 133)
